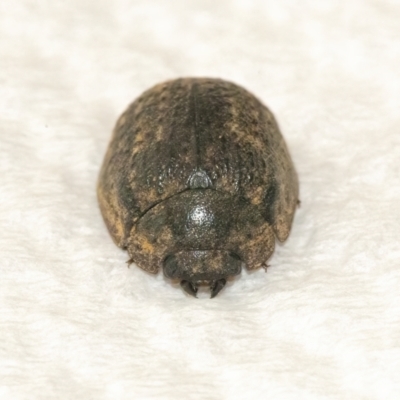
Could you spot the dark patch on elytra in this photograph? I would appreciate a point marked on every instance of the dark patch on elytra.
(270, 197)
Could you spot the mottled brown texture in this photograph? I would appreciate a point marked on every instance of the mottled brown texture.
(198, 166)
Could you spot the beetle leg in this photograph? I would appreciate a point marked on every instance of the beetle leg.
(129, 262)
(189, 287)
(217, 286)
(265, 266)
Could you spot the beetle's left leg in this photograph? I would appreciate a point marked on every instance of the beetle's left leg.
(217, 286)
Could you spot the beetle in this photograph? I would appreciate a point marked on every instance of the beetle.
(197, 180)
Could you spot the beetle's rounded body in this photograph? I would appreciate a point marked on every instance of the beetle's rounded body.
(197, 180)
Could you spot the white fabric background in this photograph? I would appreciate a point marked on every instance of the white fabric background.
(323, 323)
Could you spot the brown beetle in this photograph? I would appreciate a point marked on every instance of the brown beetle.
(198, 180)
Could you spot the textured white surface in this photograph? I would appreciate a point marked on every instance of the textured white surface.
(323, 323)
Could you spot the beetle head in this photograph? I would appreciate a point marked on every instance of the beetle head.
(194, 268)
